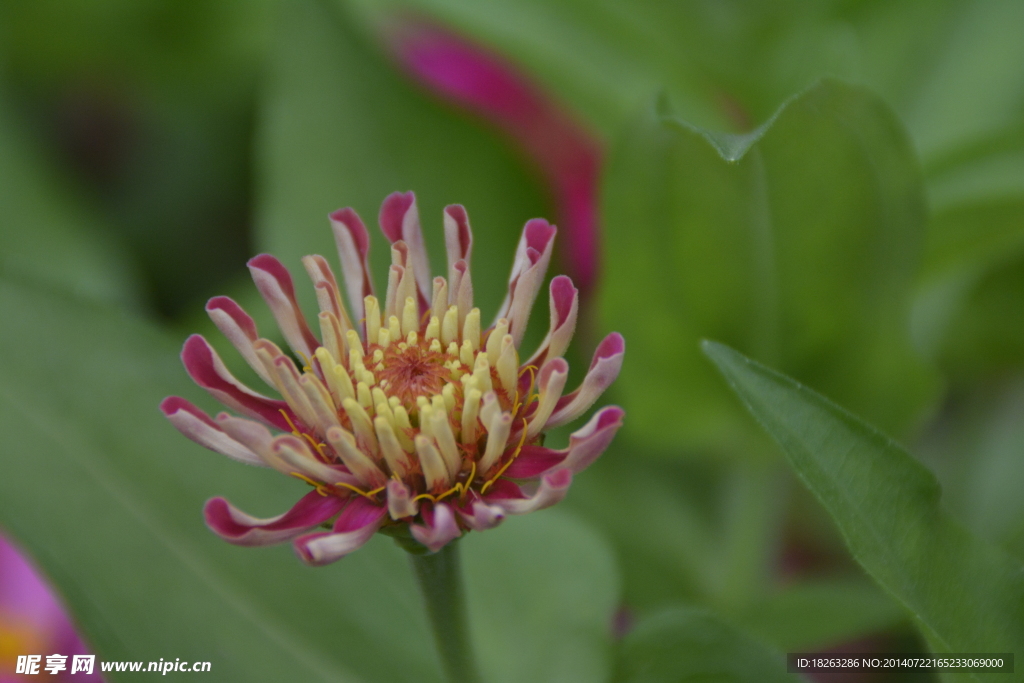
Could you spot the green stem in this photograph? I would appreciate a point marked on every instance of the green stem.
(440, 578)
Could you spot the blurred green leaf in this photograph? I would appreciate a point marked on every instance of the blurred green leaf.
(818, 613)
(954, 70)
(50, 235)
(150, 105)
(107, 497)
(972, 287)
(675, 556)
(542, 593)
(973, 275)
(691, 645)
(964, 594)
(182, 47)
(987, 169)
(977, 452)
(342, 128)
(801, 252)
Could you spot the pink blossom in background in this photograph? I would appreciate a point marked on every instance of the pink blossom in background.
(32, 622)
(483, 82)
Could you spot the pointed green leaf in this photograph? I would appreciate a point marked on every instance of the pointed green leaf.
(964, 594)
(801, 252)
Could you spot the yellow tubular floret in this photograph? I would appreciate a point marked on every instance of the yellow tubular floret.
(340, 384)
(402, 427)
(355, 347)
(321, 402)
(448, 392)
(331, 333)
(471, 329)
(470, 410)
(361, 425)
(433, 332)
(466, 354)
(482, 373)
(445, 439)
(372, 317)
(508, 364)
(364, 397)
(450, 326)
(439, 301)
(494, 340)
(355, 460)
(497, 436)
(395, 457)
(434, 470)
(410, 316)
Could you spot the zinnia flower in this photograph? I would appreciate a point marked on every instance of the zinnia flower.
(412, 419)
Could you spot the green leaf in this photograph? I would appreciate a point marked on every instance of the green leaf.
(542, 593)
(815, 614)
(952, 69)
(692, 645)
(342, 128)
(801, 252)
(964, 594)
(106, 496)
(973, 275)
(675, 556)
(50, 235)
(975, 451)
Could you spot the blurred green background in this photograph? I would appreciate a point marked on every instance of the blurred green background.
(835, 189)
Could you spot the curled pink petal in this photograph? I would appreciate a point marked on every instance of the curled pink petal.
(564, 304)
(237, 527)
(440, 528)
(515, 501)
(568, 156)
(585, 445)
(400, 220)
(604, 368)
(275, 285)
(200, 427)
(353, 243)
(528, 270)
(401, 504)
(207, 370)
(328, 296)
(240, 329)
(355, 526)
(550, 383)
(458, 237)
(479, 516)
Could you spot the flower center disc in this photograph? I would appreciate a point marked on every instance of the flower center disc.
(413, 371)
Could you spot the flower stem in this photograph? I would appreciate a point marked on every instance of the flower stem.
(440, 578)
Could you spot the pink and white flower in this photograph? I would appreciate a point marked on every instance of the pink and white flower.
(412, 418)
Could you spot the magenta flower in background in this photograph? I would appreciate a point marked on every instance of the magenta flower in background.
(32, 621)
(412, 418)
(481, 81)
